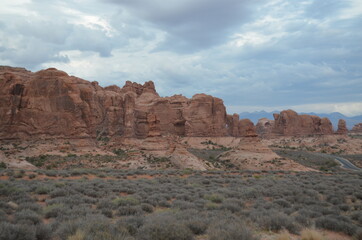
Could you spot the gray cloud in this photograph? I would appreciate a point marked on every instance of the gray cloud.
(252, 53)
(326, 8)
(191, 25)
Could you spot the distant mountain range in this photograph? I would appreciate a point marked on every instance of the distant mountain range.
(334, 117)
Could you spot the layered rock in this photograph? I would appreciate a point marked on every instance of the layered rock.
(50, 103)
(357, 128)
(342, 127)
(290, 123)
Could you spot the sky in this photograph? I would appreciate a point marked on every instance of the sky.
(254, 54)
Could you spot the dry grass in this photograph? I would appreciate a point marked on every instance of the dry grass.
(79, 235)
(310, 234)
(283, 236)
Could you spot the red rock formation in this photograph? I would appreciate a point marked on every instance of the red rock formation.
(342, 127)
(246, 128)
(264, 127)
(50, 103)
(290, 123)
(357, 128)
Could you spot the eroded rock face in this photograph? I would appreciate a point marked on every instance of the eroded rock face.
(357, 128)
(290, 123)
(264, 127)
(342, 127)
(50, 103)
(246, 128)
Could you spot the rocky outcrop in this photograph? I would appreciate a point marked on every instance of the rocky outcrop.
(50, 103)
(240, 128)
(357, 128)
(264, 127)
(290, 123)
(342, 127)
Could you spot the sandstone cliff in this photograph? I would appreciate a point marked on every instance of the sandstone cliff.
(290, 123)
(50, 103)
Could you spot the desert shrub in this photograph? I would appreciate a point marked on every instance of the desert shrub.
(164, 203)
(212, 206)
(310, 234)
(27, 216)
(358, 195)
(19, 174)
(53, 211)
(304, 221)
(2, 165)
(92, 227)
(233, 205)
(131, 224)
(59, 193)
(309, 213)
(3, 216)
(129, 210)
(283, 203)
(43, 232)
(107, 212)
(106, 204)
(7, 208)
(10, 231)
(275, 221)
(182, 205)
(333, 224)
(42, 190)
(126, 201)
(335, 199)
(31, 206)
(357, 216)
(164, 227)
(358, 235)
(95, 230)
(215, 198)
(147, 207)
(344, 207)
(229, 230)
(197, 225)
(67, 229)
(78, 235)
(31, 176)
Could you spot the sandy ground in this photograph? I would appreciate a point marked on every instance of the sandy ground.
(245, 153)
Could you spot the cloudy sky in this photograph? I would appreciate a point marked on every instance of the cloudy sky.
(254, 54)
